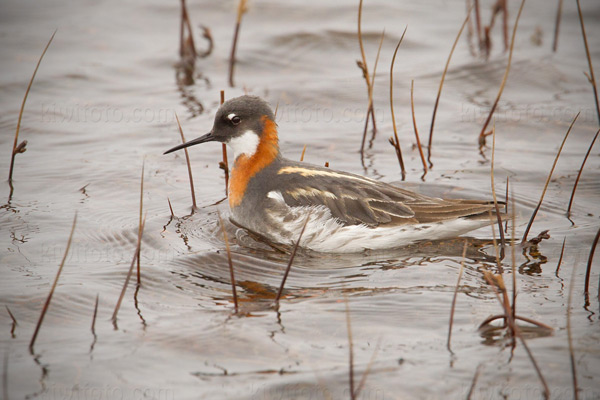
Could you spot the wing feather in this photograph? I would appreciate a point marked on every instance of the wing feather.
(354, 200)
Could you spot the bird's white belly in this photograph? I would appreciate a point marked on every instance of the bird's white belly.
(325, 233)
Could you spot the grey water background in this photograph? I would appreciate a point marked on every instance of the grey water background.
(105, 99)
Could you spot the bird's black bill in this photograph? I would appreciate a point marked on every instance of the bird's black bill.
(202, 139)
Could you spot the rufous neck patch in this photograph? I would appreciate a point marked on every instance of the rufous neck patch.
(245, 167)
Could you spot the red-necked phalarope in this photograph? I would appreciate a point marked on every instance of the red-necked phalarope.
(272, 196)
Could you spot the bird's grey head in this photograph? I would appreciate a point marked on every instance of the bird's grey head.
(239, 122)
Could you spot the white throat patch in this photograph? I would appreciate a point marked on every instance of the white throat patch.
(246, 144)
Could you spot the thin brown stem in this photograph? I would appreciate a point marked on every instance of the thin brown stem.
(363, 379)
(350, 349)
(365, 70)
(506, 205)
(533, 215)
(579, 173)
(591, 76)
(364, 67)
(504, 23)
(497, 209)
(181, 28)
(189, 166)
(557, 25)
(170, 207)
(396, 140)
(14, 322)
(231, 272)
(477, 22)
(470, 29)
(437, 100)
(49, 298)
(139, 274)
(5, 376)
(482, 134)
(224, 151)
(185, 23)
(95, 314)
(452, 308)
(371, 104)
(20, 148)
(12, 317)
(302, 155)
(569, 335)
(475, 377)
(291, 260)
(588, 270)
(242, 8)
(560, 258)
(128, 277)
(513, 252)
(493, 318)
(414, 120)
(546, 392)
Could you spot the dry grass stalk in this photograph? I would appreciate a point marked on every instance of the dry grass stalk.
(496, 208)
(493, 318)
(499, 7)
(170, 208)
(579, 173)
(569, 335)
(396, 142)
(291, 260)
(49, 298)
(475, 377)
(557, 25)
(302, 155)
(560, 258)
(225, 163)
(231, 272)
(538, 371)
(241, 10)
(129, 273)
(513, 251)
(510, 317)
(373, 83)
(460, 272)
(470, 29)
(591, 77)
(477, 21)
(589, 269)
(370, 108)
(537, 208)
(21, 147)
(189, 166)
(363, 380)
(186, 44)
(14, 322)
(365, 70)
(12, 317)
(439, 93)
(208, 36)
(350, 348)
(506, 205)
(139, 272)
(414, 120)
(94, 316)
(5, 376)
(483, 133)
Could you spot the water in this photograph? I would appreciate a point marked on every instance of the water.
(104, 101)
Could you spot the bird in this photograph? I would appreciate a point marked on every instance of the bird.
(275, 198)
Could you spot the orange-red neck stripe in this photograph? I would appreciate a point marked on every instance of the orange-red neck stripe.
(245, 167)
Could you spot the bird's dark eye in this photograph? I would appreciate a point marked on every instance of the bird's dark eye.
(235, 120)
